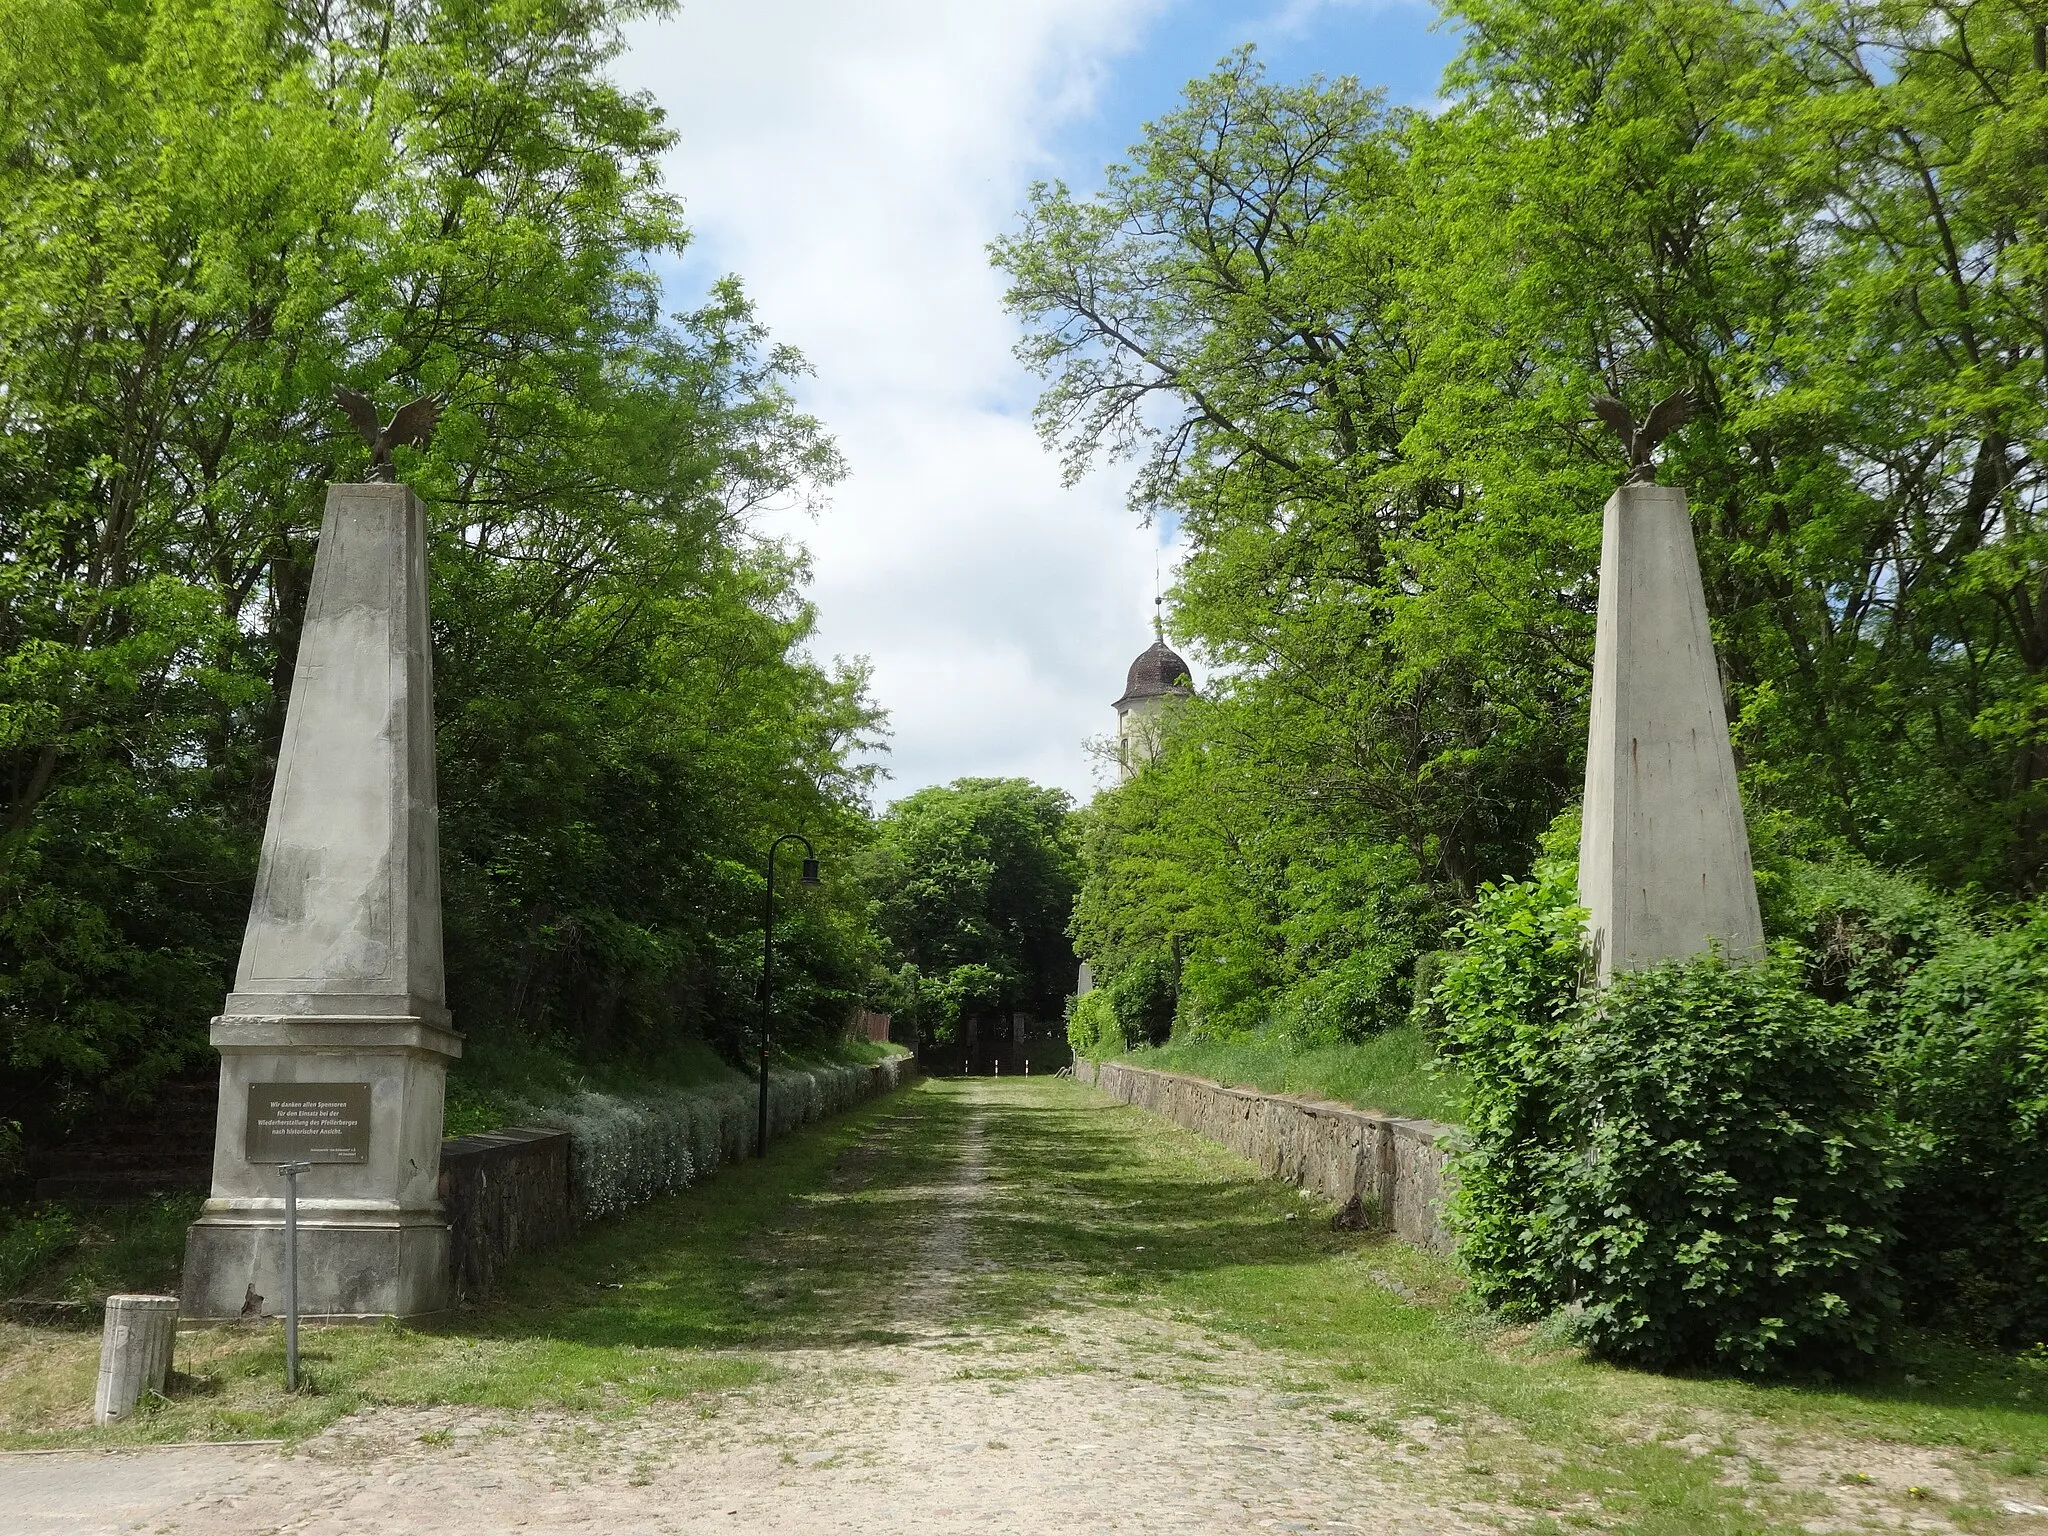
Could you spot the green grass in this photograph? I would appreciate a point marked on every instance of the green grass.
(1093, 1205)
(678, 1297)
(1394, 1072)
(83, 1254)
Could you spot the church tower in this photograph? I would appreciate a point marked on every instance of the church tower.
(1156, 679)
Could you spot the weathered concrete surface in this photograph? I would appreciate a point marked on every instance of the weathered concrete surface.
(1664, 865)
(1393, 1167)
(340, 977)
(136, 1345)
(346, 918)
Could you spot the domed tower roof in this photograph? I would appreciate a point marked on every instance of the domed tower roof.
(1156, 671)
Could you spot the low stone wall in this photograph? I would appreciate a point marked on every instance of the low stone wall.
(504, 1193)
(1393, 1167)
(511, 1192)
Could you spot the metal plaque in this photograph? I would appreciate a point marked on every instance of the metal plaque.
(309, 1123)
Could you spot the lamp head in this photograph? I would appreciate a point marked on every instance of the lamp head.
(810, 871)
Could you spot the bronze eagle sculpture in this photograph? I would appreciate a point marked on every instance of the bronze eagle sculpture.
(1665, 418)
(411, 427)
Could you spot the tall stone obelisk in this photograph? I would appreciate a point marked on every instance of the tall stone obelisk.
(335, 1042)
(1664, 865)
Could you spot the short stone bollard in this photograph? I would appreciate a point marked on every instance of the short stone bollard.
(135, 1353)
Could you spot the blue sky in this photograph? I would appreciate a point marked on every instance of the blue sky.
(851, 162)
(1388, 43)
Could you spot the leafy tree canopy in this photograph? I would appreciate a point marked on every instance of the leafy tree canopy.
(211, 211)
(1351, 348)
(972, 884)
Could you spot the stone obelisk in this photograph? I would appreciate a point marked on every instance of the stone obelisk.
(1664, 865)
(335, 1042)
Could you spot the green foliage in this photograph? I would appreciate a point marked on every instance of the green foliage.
(1722, 1190)
(1136, 1009)
(30, 1243)
(1697, 1160)
(1959, 1000)
(1508, 998)
(1971, 1071)
(970, 885)
(1351, 347)
(1864, 930)
(209, 215)
(1425, 1012)
(1143, 996)
(1092, 1027)
(1282, 917)
(82, 1255)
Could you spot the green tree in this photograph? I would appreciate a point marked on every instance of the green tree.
(212, 212)
(971, 884)
(1352, 349)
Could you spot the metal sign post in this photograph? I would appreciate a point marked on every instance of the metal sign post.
(291, 1172)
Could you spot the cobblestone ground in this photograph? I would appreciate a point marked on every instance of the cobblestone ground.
(926, 1408)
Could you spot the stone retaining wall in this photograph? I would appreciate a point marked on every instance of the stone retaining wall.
(1393, 1167)
(504, 1193)
(511, 1192)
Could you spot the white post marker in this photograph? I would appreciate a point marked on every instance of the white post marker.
(291, 1172)
(135, 1353)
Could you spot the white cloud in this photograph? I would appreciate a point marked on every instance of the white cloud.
(851, 161)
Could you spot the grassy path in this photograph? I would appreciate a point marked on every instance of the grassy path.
(1004, 1305)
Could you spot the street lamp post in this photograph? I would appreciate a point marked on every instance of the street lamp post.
(810, 877)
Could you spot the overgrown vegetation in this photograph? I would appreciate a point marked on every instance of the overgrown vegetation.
(1351, 348)
(77, 1258)
(209, 215)
(1755, 1167)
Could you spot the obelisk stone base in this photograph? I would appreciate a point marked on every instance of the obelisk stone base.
(1664, 868)
(372, 1238)
(339, 1008)
(354, 1266)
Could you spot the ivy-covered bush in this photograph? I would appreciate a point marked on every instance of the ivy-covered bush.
(1696, 1162)
(1092, 1029)
(1721, 1188)
(1507, 999)
(625, 1151)
(1970, 1066)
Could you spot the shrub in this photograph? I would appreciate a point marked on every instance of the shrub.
(627, 1150)
(1864, 930)
(1143, 994)
(1425, 1012)
(1696, 1160)
(1507, 997)
(1721, 1191)
(1092, 1029)
(1971, 1071)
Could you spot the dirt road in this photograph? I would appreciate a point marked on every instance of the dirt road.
(986, 1350)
